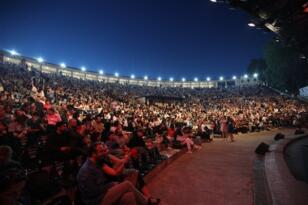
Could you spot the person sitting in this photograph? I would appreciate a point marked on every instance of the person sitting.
(131, 175)
(62, 145)
(96, 187)
(186, 139)
(145, 155)
(12, 177)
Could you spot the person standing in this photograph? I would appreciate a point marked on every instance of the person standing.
(230, 124)
(224, 128)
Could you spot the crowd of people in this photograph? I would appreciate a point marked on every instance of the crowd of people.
(59, 133)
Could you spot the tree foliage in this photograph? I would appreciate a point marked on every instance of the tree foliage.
(257, 66)
(281, 68)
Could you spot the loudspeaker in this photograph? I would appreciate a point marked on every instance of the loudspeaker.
(279, 136)
(262, 148)
(299, 131)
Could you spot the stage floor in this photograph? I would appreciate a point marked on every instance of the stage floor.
(220, 173)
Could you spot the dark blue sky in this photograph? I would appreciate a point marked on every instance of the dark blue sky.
(168, 38)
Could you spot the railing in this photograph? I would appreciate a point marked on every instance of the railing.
(46, 67)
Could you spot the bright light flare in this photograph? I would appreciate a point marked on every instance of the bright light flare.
(40, 59)
(14, 53)
(251, 24)
(63, 65)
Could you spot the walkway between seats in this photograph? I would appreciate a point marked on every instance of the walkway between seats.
(220, 173)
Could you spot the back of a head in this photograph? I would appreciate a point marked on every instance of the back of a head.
(5, 154)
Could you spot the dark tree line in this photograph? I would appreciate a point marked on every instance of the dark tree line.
(282, 67)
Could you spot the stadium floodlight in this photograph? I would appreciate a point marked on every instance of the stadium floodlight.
(101, 72)
(83, 68)
(14, 53)
(245, 76)
(116, 74)
(208, 79)
(251, 24)
(196, 79)
(221, 78)
(40, 59)
(183, 79)
(159, 78)
(214, 1)
(234, 77)
(255, 75)
(63, 65)
(145, 78)
(132, 76)
(171, 79)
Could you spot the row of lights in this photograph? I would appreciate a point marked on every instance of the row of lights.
(101, 72)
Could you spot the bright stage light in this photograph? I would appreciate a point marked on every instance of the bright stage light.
(14, 53)
(208, 79)
(196, 79)
(255, 75)
(132, 76)
(171, 79)
(63, 65)
(116, 74)
(83, 68)
(183, 79)
(245, 76)
(101, 72)
(145, 78)
(234, 77)
(40, 59)
(221, 78)
(159, 78)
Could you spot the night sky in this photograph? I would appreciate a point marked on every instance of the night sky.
(168, 38)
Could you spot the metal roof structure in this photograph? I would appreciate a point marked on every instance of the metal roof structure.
(286, 18)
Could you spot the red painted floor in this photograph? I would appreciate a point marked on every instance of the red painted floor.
(220, 173)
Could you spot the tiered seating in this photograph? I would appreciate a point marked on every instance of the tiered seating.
(50, 121)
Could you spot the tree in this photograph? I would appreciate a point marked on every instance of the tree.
(281, 68)
(257, 65)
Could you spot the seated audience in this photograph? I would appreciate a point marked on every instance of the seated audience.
(50, 121)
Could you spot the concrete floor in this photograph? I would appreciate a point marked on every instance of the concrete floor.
(220, 173)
